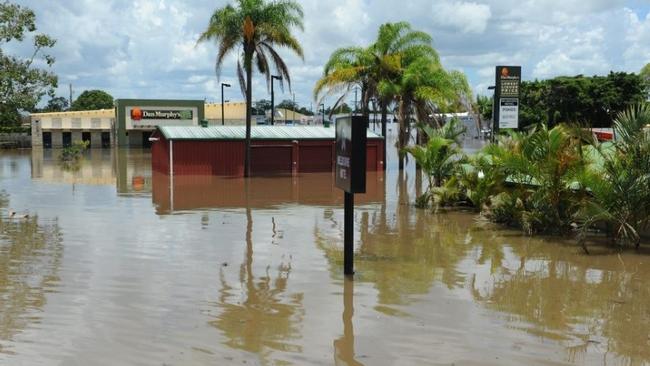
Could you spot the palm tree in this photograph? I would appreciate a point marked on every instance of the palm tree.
(423, 89)
(346, 69)
(369, 67)
(255, 28)
(619, 186)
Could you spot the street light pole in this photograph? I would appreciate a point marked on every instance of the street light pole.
(323, 105)
(222, 105)
(276, 77)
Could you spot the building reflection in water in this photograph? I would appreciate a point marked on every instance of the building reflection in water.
(30, 258)
(129, 170)
(193, 192)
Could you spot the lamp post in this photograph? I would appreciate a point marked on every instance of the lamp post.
(222, 104)
(323, 105)
(276, 77)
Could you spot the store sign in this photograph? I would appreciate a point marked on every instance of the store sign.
(138, 114)
(508, 83)
(350, 161)
(508, 113)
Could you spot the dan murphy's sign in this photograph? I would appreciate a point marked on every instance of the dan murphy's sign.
(138, 114)
(508, 82)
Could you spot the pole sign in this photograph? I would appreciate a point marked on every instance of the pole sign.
(506, 96)
(350, 161)
(350, 170)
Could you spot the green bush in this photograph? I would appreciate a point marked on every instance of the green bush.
(15, 129)
(549, 180)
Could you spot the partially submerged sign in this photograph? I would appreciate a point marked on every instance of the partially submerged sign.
(350, 176)
(506, 95)
(351, 154)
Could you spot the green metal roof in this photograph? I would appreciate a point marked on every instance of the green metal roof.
(257, 133)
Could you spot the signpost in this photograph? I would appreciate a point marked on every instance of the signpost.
(350, 173)
(506, 97)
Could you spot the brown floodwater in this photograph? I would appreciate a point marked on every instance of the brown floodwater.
(116, 265)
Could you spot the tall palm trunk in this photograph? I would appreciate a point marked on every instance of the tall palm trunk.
(403, 135)
(249, 102)
(384, 111)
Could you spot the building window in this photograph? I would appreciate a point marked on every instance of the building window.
(67, 139)
(47, 139)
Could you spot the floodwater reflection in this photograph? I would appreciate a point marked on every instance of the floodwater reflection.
(30, 257)
(137, 268)
(344, 346)
(258, 314)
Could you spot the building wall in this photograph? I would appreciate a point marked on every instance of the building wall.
(76, 136)
(95, 139)
(57, 138)
(268, 157)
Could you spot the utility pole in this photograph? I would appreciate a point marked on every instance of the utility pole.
(223, 106)
(273, 77)
(70, 105)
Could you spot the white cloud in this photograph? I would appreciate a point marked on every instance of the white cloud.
(147, 48)
(468, 17)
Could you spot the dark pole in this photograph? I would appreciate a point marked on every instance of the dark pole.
(494, 122)
(222, 105)
(348, 235)
(355, 101)
(323, 113)
(273, 77)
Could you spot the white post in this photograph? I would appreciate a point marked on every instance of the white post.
(171, 175)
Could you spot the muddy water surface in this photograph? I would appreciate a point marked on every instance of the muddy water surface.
(116, 265)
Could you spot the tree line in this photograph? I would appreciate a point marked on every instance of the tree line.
(590, 101)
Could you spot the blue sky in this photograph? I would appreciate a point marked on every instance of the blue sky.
(147, 48)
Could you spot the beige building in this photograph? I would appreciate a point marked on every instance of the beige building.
(103, 129)
(58, 129)
(235, 114)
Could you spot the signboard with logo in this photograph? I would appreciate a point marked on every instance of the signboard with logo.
(350, 160)
(508, 83)
(145, 117)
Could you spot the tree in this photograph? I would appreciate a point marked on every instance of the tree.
(93, 99)
(288, 104)
(375, 67)
(255, 28)
(56, 104)
(590, 101)
(645, 76)
(261, 106)
(305, 111)
(22, 84)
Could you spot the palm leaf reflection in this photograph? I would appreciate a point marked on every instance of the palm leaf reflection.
(402, 257)
(258, 315)
(596, 303)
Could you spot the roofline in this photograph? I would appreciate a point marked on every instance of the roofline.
(90, 111)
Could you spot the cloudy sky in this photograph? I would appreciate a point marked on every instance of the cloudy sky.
(147, 48)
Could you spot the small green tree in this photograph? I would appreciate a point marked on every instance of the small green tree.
(93, 99)
(22, 83)
(56, 104)
(645, 76)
